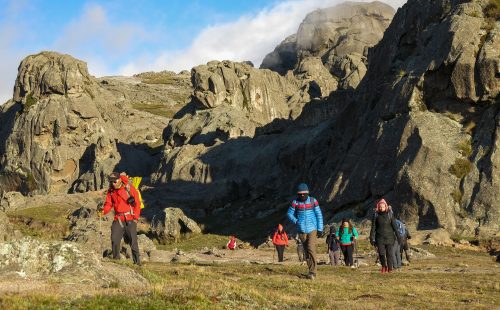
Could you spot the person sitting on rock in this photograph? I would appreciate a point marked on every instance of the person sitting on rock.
(280, 241)
(231, 244)
(347, 235)
(124, 200)
(384, 233)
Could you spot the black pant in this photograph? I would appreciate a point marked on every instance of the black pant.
(129, 229)
(385, 253)
(405, 248)
(347, 251)
(281, 251)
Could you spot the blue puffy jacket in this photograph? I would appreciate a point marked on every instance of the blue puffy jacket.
(306, 215)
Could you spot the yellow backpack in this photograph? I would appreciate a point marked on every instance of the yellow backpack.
(135, 182)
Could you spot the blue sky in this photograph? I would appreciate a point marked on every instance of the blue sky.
(127, 37)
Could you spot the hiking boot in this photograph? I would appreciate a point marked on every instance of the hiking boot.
(382, 270)
(311, 276)
(352, 266)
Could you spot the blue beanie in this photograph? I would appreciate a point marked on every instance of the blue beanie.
(302, 188)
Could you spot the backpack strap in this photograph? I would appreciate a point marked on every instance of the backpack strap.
(127, 189)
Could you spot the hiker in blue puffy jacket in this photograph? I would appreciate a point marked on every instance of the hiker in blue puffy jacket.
(306, 214)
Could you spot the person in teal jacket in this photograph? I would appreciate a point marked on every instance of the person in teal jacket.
(306, 214)
(347, 236)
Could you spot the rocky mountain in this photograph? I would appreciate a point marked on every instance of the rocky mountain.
(338, 37)
(409, 114)
(419, 130)
(65, 131)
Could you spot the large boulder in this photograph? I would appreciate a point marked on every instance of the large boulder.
(64, 132)
(172, 224)
(34, 259)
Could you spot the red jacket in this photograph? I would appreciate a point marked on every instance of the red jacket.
(117, 199)
(280, 239)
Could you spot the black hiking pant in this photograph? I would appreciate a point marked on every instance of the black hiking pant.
(281, 251)
(406, 249)
(385, 253)
(129, 231)
(347, 251)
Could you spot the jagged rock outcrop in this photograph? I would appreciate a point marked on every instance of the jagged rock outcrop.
(169, 226)
(62, 131)
(419, 130)
(340, 36)
(231, 99)
(30, 258)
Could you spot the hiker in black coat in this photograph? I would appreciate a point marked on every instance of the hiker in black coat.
(383, 234)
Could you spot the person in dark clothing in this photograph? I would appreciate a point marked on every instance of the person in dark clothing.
(333, 247)
(383, 234)
(300, 250)
(404, 244)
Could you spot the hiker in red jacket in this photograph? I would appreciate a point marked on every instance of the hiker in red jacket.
(124, 200)
(280, 240)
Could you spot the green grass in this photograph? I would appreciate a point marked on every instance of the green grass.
(158, 109)
(46, 222)
(461, 167)
(465, 148)
(197, 242)
(456, 279)
(30, 101)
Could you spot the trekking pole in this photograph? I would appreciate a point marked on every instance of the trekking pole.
(100, 236)
(356, 249)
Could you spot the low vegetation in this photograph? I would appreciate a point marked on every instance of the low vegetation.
(461, 167)
(158, 109)
(46, 222)
(455, 279)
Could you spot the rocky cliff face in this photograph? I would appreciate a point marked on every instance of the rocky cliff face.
(419, 130)
(339, 36)
(63, 131)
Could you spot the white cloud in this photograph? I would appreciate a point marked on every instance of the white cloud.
(94, 38)
(248, 38)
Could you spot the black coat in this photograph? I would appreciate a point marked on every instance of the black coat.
(384, 229)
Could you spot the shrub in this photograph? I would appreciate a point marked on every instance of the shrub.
(461, 167)
(465, 148)
(30, 101)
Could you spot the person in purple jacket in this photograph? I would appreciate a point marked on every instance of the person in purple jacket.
(306, 214)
